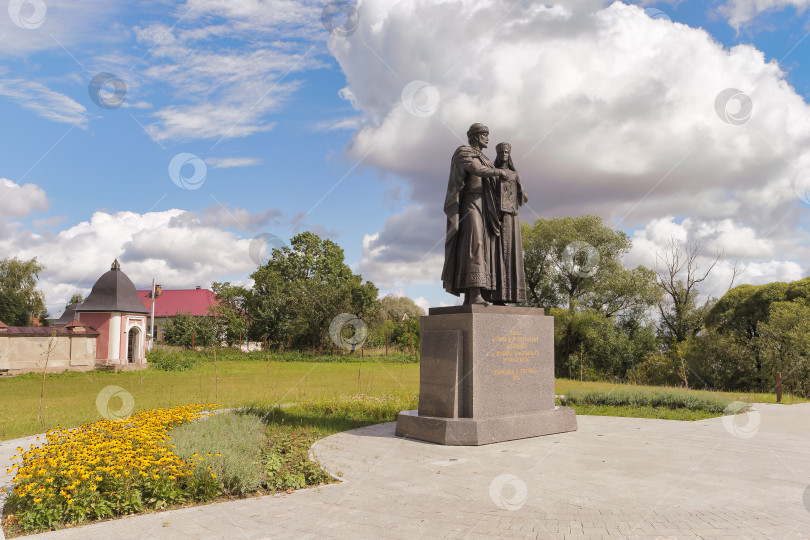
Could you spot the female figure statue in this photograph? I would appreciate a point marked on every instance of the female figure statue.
(510, 286)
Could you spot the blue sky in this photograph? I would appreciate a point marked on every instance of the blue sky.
(303, 128)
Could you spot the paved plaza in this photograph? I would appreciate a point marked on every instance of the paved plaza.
(613, 478)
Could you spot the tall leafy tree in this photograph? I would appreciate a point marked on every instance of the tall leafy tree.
(392, 308)
(575, 264)
(230, 313)
(786, 345)
(20, 298)
(185, 330)
(302, 287)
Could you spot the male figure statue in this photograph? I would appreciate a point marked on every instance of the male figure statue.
(472, 219)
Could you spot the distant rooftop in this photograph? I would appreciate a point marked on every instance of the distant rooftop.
(169, 302)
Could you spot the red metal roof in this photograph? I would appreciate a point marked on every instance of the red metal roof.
(197, 301)
(46, 331)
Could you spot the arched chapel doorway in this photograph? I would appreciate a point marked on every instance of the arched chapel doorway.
(133, 341)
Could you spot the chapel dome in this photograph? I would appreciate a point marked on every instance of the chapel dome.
(113, 291)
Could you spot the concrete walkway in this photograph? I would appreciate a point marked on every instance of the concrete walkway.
(733, 477)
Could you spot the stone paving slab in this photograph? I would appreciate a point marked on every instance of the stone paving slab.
(614, 478)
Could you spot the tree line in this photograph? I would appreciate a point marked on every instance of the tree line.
(650, 325)
(612, 322)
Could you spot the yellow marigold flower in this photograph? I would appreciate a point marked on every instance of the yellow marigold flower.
(37, 500)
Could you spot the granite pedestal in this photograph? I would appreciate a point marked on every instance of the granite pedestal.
(486, 376)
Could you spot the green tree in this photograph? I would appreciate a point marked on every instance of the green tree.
(302, 288)
(230, 312)
(77, 298)
(184, 329)
(392, 308)
(786, 345)
(573, 260)
(740, 313)
(598, 347)
(575, 264)
(19, 296)
(13, 310)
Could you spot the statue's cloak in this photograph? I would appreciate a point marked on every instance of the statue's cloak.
(465, 163)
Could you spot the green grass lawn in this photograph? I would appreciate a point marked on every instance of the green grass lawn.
(70, 398)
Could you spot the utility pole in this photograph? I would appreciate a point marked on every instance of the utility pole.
(152, 323)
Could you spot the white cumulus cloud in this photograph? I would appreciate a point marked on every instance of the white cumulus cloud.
(608, 111)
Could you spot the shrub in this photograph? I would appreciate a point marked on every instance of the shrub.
(227, 445)
(670, 399)
(171, 360)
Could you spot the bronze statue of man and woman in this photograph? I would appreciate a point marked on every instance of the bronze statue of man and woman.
(483, 254)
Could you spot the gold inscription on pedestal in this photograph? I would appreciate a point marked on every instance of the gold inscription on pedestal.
(517, 348)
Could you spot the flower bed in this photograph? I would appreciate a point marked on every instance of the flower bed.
(106, 469)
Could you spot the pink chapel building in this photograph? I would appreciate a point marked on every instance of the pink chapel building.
(106, 331)
(114, 310)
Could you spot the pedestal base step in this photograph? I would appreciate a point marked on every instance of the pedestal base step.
(478, 431)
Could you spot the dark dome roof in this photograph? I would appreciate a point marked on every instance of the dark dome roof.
(113, 292)
(68, 315)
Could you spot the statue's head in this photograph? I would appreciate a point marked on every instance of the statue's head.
(504, 157)
(503, 149)
(478, 135)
